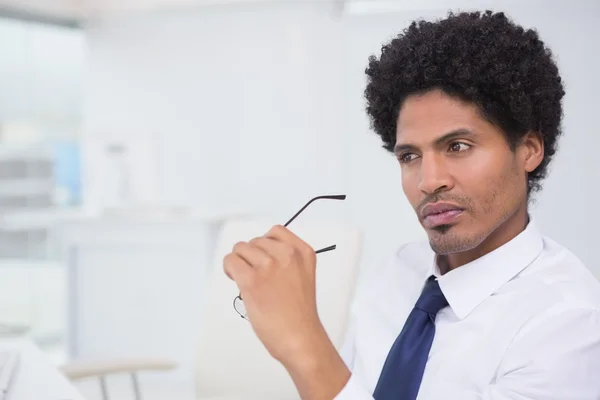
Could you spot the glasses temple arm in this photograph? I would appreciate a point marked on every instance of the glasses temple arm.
(330, 197)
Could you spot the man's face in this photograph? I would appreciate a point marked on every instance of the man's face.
(458, 171)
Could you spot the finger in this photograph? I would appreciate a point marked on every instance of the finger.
(253, 255)
(281, 233)
(237, 269)
(281, 251)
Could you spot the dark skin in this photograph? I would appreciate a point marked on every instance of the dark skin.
(448, 152)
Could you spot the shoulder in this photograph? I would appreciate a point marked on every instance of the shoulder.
(557, 345)
(566, 297)
(560, 351)
(562, 280)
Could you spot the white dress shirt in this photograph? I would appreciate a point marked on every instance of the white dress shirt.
(523, 322)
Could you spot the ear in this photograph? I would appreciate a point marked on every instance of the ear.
(531, 151)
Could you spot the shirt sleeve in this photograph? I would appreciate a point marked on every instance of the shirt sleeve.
(556, 357)
(354, 389)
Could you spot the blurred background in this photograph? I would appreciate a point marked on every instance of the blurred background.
(131, 130)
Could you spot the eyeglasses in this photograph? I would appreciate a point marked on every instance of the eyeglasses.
(238, 303)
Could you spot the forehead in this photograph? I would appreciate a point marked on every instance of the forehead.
(425, 117)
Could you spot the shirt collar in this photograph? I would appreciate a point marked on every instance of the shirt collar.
(469, 285)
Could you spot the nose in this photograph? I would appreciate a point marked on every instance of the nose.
(435, 176)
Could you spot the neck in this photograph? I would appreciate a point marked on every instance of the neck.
(501, 235)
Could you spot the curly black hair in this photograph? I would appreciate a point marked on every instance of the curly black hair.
(483, 58)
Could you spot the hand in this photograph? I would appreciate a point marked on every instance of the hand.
(276, 277)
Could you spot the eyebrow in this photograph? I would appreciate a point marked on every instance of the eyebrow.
(461, 132)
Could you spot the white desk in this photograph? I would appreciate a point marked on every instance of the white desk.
(36, 377)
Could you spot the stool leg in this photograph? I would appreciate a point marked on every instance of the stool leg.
(103, 388)
(136, 386)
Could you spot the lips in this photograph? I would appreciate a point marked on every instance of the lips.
(435, 214)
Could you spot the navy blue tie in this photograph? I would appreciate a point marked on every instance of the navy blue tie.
(402, 372)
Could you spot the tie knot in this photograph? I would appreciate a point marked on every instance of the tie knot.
(432, 300)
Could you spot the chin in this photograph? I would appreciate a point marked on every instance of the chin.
(445, 240)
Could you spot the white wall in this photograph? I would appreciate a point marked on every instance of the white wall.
(258, 108)
(238, 102)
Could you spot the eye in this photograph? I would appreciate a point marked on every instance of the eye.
(459, 146)
(406, 157)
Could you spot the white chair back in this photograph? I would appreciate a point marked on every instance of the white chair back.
(232, 362)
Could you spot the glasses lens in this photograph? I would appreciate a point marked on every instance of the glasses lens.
(239, 306)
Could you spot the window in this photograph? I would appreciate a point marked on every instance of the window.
(41, 72)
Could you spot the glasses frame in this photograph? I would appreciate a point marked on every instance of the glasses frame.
(323, 250)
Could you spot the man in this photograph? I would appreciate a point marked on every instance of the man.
(488, 308)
